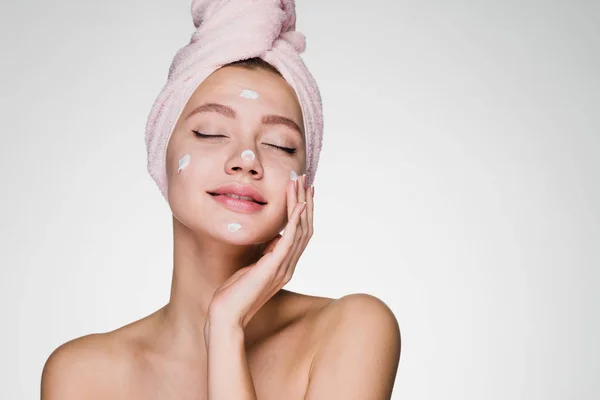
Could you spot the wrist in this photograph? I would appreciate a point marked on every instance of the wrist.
(221, 320)
(216, 326)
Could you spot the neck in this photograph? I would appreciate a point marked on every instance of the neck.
(200, 267)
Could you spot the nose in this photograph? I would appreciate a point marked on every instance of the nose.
(244, 161)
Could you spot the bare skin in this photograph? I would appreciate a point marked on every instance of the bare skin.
(163, 355)
(295, 344)
(131, 363)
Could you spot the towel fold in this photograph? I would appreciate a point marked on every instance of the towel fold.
(228, 31)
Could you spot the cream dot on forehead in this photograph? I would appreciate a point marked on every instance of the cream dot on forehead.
(249, 94)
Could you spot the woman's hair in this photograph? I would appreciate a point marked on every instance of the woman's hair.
(254, 64)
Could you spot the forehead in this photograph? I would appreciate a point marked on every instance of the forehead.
(275, 95)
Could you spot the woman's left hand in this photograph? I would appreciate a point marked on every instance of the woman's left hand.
(236, 301)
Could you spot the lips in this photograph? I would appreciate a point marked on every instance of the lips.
(239, 198)
(240, 192)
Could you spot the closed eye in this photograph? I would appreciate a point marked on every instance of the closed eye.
(202, 135)
(289, 150)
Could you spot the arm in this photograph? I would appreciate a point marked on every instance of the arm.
(359, 355)
(228, 372)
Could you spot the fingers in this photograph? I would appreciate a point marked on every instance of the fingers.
(286, 250)
(292, 206)
(297, 243)
(310, 207)
(286, 242)
(302, 195)
(292, 200)
(307, 234)
(301, 230)
(292, 196)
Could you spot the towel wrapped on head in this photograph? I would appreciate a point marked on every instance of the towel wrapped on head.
(229, 31)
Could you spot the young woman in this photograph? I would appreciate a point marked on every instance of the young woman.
(235, 164)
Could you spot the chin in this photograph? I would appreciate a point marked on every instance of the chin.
(249, 234)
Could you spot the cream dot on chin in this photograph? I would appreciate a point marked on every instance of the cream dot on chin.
(293, 176)
(183, 162)
(234, 227)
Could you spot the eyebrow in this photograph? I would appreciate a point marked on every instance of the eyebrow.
(230, 113)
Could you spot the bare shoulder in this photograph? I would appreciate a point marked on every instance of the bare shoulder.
(359, 316)
(359, 345)
(85, 367)
(356, 310)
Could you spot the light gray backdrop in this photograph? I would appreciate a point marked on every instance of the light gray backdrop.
(459, 182)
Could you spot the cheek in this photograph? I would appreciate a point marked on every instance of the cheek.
(278, 178)
(282, 168)
(189, 174)
(279, 174)
(189, 171)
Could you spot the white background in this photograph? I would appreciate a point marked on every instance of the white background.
(459, 182)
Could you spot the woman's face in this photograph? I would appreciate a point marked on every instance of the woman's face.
(257, 144)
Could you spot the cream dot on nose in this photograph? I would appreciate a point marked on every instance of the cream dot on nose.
(248, 155)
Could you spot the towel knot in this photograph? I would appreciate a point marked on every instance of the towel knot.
(256, 24)
(296, 39)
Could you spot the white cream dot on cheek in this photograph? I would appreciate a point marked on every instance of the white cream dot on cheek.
(248, 155)
(293, 176)
(249, 94)
(183, 162)
(233, 227)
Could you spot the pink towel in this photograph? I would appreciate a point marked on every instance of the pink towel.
(227, 31)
